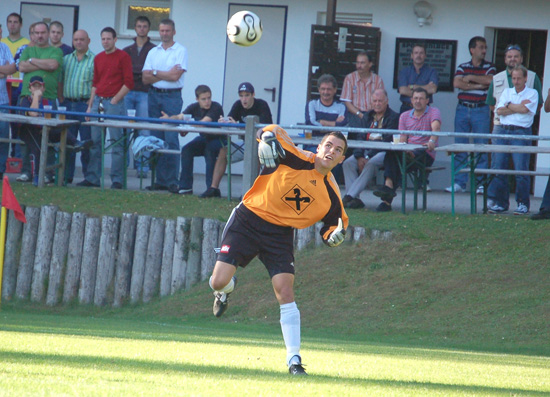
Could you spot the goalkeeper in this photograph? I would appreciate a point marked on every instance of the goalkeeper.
(295, 189)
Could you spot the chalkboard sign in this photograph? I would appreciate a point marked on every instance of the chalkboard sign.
(440, 55)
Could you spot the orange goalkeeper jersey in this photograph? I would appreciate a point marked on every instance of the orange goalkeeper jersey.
(295, 194)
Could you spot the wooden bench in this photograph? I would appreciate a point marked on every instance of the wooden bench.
(492, 173)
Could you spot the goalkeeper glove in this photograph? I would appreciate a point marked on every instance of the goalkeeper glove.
(337, 236)
(269, 150)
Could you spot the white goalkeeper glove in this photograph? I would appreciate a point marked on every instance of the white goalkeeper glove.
(269, 150)
(337, 236)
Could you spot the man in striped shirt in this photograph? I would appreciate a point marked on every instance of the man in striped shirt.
(358, 89)
(78, 73)
(472, 79)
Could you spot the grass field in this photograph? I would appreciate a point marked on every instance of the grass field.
(451, 306)
(68, 355)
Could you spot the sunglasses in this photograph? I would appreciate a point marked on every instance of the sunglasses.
(513, 47)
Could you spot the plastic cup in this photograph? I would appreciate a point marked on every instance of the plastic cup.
(61, 109)
(47, 115)
(187, 117)
(131, 113)
(396, 138)
(308, 134)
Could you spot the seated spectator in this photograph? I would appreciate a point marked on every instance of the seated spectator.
(206, 145)
(32, 134)
(362, 167)
(421, 118)
(247, 105)
(326, 111)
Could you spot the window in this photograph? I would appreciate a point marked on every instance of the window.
(347, 18)
(155, 10)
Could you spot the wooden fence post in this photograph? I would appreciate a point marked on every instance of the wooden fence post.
(43, 254)
(74, 258)
(181, 247)
(195, 250)
(89, 261)
(14, 233)
(210, 232)
(318, 237)
(167, 257)
(154, 259)
(304, 237)
(124, 260)
(59, 255)
(28, 248)
(140, 252)
(104, 288)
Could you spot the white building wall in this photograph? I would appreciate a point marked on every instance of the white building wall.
(200, 27)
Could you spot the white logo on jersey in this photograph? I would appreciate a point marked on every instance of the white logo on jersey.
(225, 249)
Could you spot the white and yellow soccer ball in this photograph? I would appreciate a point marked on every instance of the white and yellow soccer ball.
(244, 28)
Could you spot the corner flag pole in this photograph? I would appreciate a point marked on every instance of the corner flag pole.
(2, 247)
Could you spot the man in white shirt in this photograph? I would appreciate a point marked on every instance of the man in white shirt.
(516, 107)
(164, 69)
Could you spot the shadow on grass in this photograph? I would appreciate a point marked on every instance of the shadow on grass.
(151, 367)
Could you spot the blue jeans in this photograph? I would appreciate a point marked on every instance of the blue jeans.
(499, 190)
(4, 146)
(117, 152)
(138, 100)
(200, 146)
(168, 164)
(476, 121)
(85, 134)
(545, 205)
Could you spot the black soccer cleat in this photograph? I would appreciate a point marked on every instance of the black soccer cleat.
(297, 369)
(221, 301)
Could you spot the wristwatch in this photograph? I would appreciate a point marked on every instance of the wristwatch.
(357, 113)
(154, 73)
(30, 60)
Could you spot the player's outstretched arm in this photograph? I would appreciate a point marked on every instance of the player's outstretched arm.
(337, 236)
(269, 149)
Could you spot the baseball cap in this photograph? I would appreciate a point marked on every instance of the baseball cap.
(246, 87)
(36, 79)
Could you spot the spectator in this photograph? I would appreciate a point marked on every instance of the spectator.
(421, 118)
(7, 67)
(32, 134)
(165, 68)
(56, 34)
(516, 109)
(362, 167)
(513, 56)
(14, 41)
(78, 74)
(247, 105)
(112, 81)
(544, 211)
(472, 113)
(416, 75)
(358, 89)
(206, 145)
(137, 98)
(45, 61)
(326, 111)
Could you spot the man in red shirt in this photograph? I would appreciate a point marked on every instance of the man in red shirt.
(113, 79)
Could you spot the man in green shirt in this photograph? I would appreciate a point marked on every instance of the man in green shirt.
(42, 60)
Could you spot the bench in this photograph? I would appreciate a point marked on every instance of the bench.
(491, 173)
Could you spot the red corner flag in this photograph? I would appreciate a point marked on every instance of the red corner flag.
(10, 202)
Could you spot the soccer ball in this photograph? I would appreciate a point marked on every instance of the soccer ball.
(244, 28)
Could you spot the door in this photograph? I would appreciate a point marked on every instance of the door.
(260, 64)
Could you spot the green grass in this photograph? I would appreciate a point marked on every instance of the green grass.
(57, 354)
(452, 305)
